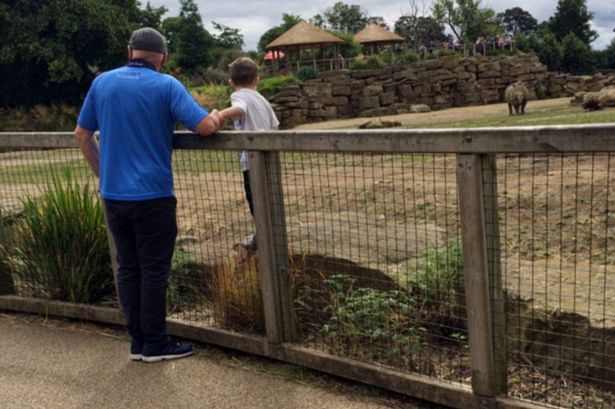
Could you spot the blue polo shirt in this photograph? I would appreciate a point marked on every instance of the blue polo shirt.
(136, 109)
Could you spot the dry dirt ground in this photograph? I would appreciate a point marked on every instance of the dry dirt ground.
(439, 117)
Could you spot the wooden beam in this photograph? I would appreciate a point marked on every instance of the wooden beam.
(494, 265)
(473, 230)
(552, 139)
(540, 139)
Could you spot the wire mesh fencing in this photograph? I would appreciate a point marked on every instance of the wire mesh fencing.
(557, 231)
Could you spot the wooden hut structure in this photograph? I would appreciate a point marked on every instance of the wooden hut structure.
(374, 37)
(301, 37)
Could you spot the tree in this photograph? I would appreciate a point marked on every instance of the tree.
(572, 16)
(544, 44)
(379, 21)
(576, 55)
(419, 30)
(466, 19)
(288, 21)
(610, 55)
(346, 17)
(152, 16)
(191, 42)
(50, 51)
(517, 20)
(228, 38)
(318, 21)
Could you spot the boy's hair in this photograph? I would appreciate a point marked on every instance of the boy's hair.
(243, 71)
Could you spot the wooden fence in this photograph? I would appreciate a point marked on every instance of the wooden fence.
(476, 151)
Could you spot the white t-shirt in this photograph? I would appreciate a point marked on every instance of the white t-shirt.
(259, 116)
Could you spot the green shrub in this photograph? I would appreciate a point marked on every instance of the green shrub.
(373, 63)
(307, 73)
(212, 96)
(52, 118)
(188, 283)
(62, 244)
(7, 286)
(357, 65)
(438, 282)
(369, 322)
(273, 85)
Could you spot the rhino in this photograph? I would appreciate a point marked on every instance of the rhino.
(516, 96)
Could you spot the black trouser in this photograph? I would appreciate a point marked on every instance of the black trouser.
(144, 234)
(248, 190)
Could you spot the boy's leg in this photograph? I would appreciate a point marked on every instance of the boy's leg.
(247, 188)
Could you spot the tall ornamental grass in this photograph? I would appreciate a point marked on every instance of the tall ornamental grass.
(62, 244)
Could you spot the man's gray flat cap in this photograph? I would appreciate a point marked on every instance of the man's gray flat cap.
(148, 39)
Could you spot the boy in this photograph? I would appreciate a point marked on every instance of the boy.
(250, 112)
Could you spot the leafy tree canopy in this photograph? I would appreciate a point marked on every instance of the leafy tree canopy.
(227, 37)
(466, 18)
(288, 21)
(572, 16)
(516, 20)
(346, 17)
(379, 21)
(52, 49)
(419, 30)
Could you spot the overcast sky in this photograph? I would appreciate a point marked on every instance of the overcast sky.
(254, 17)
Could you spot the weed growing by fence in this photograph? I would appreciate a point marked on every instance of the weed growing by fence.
(61, 244)
(238, 300)
(6, 280)
(369, 323)
(188, 283)
(272, 85)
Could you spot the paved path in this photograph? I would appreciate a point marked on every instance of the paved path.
(63, 366)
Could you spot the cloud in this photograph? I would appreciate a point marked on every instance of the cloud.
(255, 17)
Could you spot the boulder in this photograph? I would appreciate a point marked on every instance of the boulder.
(419, 108)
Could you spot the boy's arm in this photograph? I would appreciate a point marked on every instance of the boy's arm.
(232, 112)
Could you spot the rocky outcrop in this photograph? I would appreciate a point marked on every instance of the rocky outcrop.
(438, 84)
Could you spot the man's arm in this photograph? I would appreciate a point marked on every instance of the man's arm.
(89, 147)
(210, 124)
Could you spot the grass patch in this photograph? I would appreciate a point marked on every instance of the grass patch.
(561, 115)
(60, 248)
(212, 96)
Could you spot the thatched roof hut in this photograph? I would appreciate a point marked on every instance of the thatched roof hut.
(305, 38)
(374, 37)
(375, 34)
(304, 35)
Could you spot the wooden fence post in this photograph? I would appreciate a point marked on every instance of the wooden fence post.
(498, 299)
(476, 272)
(269, 217)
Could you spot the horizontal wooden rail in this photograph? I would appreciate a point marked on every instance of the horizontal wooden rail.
(538, 139)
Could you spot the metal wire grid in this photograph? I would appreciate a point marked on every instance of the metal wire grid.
(557, 228)
(374, 247)
(214, 282)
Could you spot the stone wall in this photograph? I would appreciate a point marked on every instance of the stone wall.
(442, 83)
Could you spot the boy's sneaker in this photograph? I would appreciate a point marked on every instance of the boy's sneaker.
(250, 243)
(170, 350)
(136, 349)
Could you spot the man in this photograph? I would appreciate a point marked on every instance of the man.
(135, 107)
